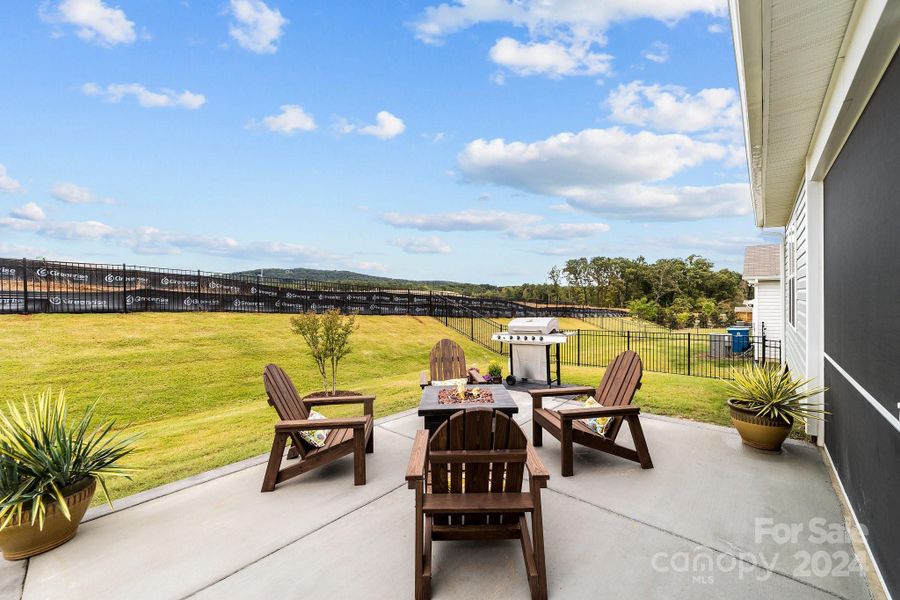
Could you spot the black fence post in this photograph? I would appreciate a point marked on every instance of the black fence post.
(257, 293)
(25, 284)
(124, 289)
(578, 348)
(628, 340)
(689, 353)
(764, 348)
(472, 329)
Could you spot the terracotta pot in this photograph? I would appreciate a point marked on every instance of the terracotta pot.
(762, 433)
(22, 540)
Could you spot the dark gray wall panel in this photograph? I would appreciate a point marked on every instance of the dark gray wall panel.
(862, 319)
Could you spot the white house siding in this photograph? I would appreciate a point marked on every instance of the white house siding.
(767, 309)
(794, 338)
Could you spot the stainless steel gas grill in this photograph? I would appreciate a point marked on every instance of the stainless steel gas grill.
(529, 342)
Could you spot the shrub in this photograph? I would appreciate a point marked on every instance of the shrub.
(773, 392)
(42, 453)
(645, 309)
(494, 369)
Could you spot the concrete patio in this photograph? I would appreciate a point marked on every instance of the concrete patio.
(711, 520)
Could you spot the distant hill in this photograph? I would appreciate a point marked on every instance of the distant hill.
(327, 276)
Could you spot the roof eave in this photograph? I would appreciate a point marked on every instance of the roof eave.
(747, 31)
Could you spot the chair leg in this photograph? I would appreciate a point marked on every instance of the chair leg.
(566, 448)
(537, 529)
(370, 445)
(640, 443)
(274, 465)
(537, 433)
(359, 457)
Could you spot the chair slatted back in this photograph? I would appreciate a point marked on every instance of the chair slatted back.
(284, 397)
(620, 382)
(480, 429)
(447, 361)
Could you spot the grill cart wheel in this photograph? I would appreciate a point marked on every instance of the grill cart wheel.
(510, 380)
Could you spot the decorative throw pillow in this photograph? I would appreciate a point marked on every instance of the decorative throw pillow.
(451, 382)
(316, 437)
(597, 424)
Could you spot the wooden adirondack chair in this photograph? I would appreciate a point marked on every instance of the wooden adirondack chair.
(345, 436)
(620, 381)
(448, 361)
(468, 483)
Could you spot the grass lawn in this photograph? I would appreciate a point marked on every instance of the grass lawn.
(193, 382)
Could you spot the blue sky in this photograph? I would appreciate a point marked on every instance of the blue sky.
(477, 140)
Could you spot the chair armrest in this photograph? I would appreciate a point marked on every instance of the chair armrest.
(333, 400)
(536, 469)
(313, 424)
(423, 379)
(568, 391)
(366, 401)
(415, 470)
(598, 411)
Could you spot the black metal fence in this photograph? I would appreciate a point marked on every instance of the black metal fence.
(37, 286)
(712, 355)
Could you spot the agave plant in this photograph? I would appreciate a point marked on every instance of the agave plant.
(774, 393)
(42, 453)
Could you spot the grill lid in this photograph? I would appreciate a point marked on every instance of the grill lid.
(533, 325)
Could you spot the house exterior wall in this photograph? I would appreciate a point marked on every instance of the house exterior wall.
(861, 325)
(796, 270)
(767, 308)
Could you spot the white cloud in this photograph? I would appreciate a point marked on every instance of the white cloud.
(466, 220)
(672, 108)
(94, 21)
(576, 18)
(164, 98)
(75, 194)
(561, 231)
(716, 28)
(421, 245)
(658, 52)
(552, 59)
(592, 157)
(609, 171)
(437, 137)
(151, 240)
(7, 183)
(256, 27)
(29, 212)
(665, 203)
(290, 120)
(564, 34)
(386, 126)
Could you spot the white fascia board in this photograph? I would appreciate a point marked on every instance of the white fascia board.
(747, 32)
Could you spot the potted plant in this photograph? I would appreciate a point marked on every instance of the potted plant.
(49, 469)
(767, 401)
(327, 336)
(495, 371)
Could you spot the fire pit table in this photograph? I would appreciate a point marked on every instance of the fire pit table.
(435, 412)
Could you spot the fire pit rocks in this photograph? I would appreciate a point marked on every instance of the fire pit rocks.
(464, 395)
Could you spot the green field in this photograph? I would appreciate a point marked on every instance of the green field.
(193, 382)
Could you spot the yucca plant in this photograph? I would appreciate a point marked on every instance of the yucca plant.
(773, 392)
(42, 453)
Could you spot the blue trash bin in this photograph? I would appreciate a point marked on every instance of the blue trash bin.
(740, 339)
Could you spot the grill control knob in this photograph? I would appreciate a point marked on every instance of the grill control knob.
(542, 338)
(532, 338)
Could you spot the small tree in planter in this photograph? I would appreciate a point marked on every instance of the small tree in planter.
(328, 337)
(49, 470)
(766, 402)
(495, 371)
